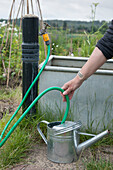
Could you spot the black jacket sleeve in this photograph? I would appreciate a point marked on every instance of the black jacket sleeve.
(105, 44)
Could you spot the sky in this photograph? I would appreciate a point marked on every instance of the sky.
(66, 9)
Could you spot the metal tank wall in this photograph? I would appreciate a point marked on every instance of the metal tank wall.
(92, 103)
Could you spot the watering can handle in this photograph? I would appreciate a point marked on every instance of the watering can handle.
(40, 132)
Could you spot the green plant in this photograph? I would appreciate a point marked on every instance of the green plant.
(98, 164)
(93, 12)
(16, 53)
(18, 145)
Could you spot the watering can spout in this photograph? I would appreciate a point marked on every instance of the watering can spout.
(80, 147)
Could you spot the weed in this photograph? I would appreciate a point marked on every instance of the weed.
(98, 164)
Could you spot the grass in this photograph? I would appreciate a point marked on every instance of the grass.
(10, 93)
(25, 135)
(15, 148)
(98, 164)
(19, 144)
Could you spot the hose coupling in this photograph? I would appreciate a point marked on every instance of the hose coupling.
(44, 34)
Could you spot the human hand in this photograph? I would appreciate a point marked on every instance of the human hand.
(70, 87)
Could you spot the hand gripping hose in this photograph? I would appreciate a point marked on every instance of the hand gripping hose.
(32, 104)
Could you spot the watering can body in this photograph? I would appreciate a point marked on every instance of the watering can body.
(63, 141)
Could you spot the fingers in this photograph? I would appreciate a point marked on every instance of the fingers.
(64, 99)
(70, 95)
(65, 86)
(68, 90)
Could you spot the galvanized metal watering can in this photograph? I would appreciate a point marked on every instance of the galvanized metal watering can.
(63, 140)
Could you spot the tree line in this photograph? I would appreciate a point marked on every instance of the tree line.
(79, 26)
(74, 26)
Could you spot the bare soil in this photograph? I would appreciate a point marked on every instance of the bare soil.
(37, 159)
(6, 106)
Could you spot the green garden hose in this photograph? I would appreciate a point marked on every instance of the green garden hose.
(25, 96)
(32, 104)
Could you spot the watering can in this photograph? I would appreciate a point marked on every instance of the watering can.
(63, 140)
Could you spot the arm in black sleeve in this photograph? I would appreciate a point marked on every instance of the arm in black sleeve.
(105, 44)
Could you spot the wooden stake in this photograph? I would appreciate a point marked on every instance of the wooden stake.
(42, 24)
(7, 84)
(32, 6)
(7, 26)
(27, 6)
